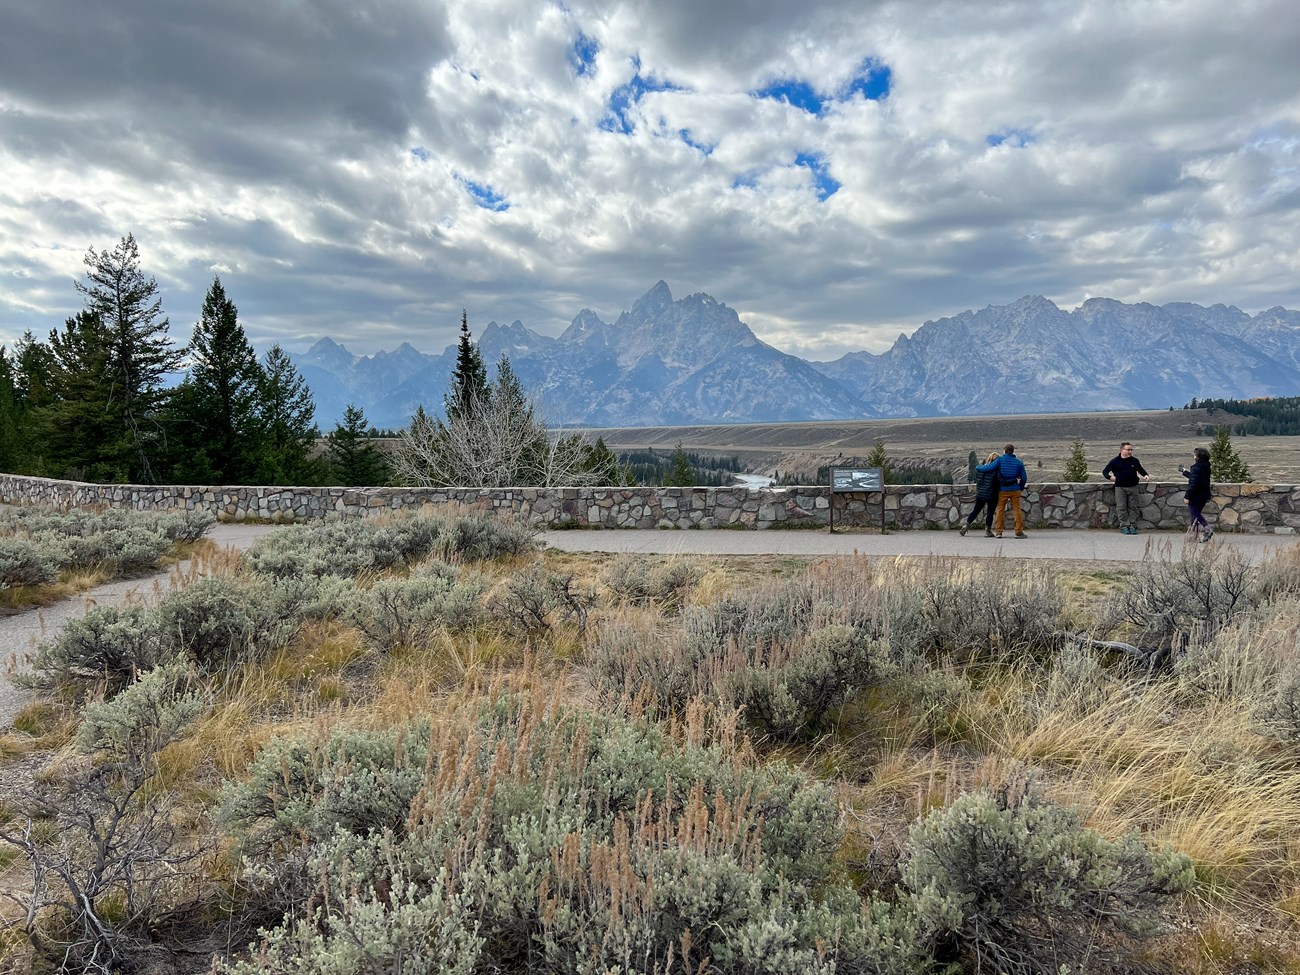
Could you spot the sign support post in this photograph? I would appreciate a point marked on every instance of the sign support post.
(857, 480)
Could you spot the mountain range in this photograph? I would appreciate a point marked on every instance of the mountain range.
(669, 362)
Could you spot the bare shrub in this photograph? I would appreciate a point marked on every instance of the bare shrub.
(1195, 595)
(113, 864)
(533, 601)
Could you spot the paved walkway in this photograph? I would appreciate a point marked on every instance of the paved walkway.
(1106, 546)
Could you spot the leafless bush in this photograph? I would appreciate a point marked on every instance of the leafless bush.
(1192, 597)
(533, 601)
(113, 863)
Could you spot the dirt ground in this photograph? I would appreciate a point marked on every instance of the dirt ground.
(1162, 440)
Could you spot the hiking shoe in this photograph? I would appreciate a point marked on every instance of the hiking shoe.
(1021, 535)
(1209, 533)
(988, 533)
(998, 535)
(962, 530)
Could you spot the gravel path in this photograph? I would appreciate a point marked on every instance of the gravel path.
(20, 634)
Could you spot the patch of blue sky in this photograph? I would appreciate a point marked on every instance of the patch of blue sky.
(873, 81)
(618, 115)
(800, 94)
(1016, 138)
(745, 181)
(827, 186)
(420, 153)
(698, 146)
(484, 196)
(582, 55)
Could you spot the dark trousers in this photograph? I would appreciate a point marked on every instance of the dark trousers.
(986, 505)
(1196, 520)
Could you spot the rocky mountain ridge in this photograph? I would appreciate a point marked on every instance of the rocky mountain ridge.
(667, 362)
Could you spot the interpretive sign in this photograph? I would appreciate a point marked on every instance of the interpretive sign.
(856, 478)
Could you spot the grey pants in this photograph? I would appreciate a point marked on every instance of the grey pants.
(1126, 506)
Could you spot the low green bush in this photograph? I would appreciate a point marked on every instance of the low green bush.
(103, 650)
(573, 841)
(24, 562)
(408, 612)
(1022, 887)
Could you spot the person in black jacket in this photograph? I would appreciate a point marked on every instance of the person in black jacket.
(1125, 470)
(1198, 493)
(986, 494)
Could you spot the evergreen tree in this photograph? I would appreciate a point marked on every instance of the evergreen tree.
(972, 461)
(220, 402)
(469, 383)
(140, 352)
(1226, 466)
(1076, 468)
(81, 425)
(353, 459)
(879, 458)
(680, 474)
(604, 467)
(11, 421)
(286, 412)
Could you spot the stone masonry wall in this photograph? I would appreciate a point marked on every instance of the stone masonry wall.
(1266, 508)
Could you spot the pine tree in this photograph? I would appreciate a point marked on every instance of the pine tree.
(286, 412)
(972, 461)
(1076, 468)
(469, 377)
(140, 352)
(353, 458)
(879, 458)
(680, 473)
(225, 381)
(1225, 465)
(81, 425)
(11, 420)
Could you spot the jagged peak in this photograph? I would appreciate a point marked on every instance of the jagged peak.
(325, 344)
(653, 301)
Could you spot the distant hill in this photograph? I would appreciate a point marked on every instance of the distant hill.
(670, 362)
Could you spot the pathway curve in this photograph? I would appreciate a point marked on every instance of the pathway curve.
(22, 632)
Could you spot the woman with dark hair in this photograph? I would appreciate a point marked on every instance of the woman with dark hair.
(986, 494)
(1198, 493)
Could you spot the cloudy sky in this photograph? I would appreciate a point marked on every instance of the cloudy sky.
(838, 172)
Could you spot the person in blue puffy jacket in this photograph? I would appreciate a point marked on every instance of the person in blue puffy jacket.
(1011, 481)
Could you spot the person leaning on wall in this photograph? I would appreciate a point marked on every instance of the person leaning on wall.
(1124, 471)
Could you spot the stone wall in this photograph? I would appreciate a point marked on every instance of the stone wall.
(1243, 507)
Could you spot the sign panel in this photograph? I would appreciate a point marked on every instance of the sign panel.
(856, 479)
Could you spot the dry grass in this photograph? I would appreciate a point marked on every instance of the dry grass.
(1189, 770)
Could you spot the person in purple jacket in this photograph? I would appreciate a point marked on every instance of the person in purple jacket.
(1198, 493)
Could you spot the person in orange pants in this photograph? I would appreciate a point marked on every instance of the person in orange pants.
(1011, 481)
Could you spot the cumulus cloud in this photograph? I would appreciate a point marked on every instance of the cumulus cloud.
(365, 169)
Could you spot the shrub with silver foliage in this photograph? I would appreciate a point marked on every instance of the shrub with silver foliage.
(1023, 888)
(408, 612)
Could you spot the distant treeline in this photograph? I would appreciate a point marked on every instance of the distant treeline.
(1273, 416)
(655, 467)
(893, 474)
